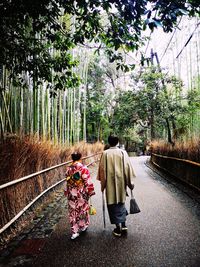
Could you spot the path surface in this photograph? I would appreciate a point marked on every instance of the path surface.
(165, 233)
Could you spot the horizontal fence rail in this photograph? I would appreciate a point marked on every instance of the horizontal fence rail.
(178, 159)
(41, 172)
(25, 178)
(185, 170)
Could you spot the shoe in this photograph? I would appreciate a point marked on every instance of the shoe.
(84, 229)
(117, 232)
(74, 235)
(124, 229)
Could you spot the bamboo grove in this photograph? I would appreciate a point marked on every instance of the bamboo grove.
(34, 110)
(181, 57)
(46, 50)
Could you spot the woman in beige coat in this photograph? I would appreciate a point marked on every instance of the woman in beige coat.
(115, 174)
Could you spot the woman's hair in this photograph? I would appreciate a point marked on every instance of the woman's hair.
(113, 140)
(76, 156)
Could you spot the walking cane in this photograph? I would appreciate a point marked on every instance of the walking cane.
(103, 204)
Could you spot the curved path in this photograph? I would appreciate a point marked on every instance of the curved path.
(165, 233)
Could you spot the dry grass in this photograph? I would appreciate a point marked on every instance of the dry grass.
(188, 149)
(22, 156)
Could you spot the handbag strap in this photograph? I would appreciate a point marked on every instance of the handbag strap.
(103, 206)
(132, 194)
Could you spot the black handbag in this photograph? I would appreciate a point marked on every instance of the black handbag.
(134, 208)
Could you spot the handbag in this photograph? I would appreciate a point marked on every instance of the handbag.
(134, 208)
(92, 210)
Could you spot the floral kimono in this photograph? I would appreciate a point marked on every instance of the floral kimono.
(79, 188)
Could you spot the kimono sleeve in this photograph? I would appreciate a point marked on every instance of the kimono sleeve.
(85, 174)
(65, 184)
(101, 172)
(128, 170)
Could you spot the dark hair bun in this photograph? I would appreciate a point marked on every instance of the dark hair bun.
(76, 156)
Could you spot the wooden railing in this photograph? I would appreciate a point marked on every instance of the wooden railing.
(185, 170)
(30, 191)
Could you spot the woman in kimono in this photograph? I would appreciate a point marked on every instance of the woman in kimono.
(79, 188)
(115, 174)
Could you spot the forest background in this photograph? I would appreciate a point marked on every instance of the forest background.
(72, 72)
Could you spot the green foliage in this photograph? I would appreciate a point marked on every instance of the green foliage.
(31, 29)
(124, 112)
(153, 108)
(193, 98)
(131, 134)
(98, 101)
(192, 112)
(37, 47)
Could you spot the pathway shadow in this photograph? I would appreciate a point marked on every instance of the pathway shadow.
(92, 248)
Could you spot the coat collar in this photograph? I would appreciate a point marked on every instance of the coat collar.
(114, 147)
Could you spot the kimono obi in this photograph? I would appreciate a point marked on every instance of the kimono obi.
(75, 180)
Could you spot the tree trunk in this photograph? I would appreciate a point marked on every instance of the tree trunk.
(169, 131)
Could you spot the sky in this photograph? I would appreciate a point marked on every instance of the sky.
(169, 45)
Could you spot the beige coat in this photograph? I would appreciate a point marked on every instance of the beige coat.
(115, 174)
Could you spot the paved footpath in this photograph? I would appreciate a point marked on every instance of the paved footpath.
(165, 233)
